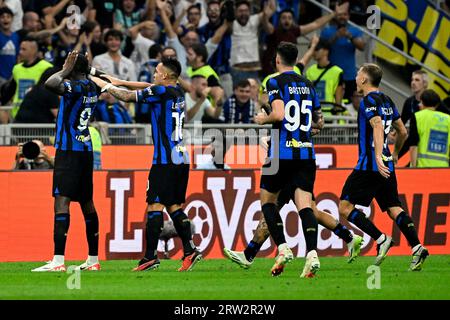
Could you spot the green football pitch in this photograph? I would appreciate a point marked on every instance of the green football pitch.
(221, 279)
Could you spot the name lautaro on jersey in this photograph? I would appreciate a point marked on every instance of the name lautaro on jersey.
(179, 105)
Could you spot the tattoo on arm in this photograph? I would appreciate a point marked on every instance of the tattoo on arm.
(123, 94)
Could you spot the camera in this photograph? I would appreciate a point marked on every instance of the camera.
(31, 150)
(227, 11)
(340, 25)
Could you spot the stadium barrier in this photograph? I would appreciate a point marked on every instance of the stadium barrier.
(196, 133)
(223, 205)
(126, 157)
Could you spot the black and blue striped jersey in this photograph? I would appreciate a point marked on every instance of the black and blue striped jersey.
(374, 104)
(300, 102)
(77, 104)
(167, 107)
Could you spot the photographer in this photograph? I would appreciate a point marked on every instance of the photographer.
(33, 156)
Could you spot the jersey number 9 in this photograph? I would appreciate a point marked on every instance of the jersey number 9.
(84, 119)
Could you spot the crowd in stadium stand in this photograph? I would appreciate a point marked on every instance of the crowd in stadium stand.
(226, 49)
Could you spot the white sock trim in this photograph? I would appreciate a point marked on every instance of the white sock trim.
(381, 239)
(416, 248)
(92, 259)
(58, 259)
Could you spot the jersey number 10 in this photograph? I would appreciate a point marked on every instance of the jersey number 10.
(294, 120)
(178, 131)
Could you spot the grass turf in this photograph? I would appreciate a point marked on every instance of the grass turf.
(222, 279)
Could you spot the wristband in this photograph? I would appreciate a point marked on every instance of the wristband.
(108, 85)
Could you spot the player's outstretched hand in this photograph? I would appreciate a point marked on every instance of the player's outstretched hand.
(114, 81)
(382, 169)
(70, 61)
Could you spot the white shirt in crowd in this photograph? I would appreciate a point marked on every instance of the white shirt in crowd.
(124, 69)
(139, 56)
(182, 54)
(244, 41)
(186, 4)
(201, 111)
(16, 8)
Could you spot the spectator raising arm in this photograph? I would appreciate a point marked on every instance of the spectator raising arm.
(309, 53)
(162, 6)
(320, 22)
(177, 22)
(269, 9)
(134, 30)
(48, 32)
(54, 10)
(148, 13)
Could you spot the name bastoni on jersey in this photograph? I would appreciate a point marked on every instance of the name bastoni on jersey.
(292, 90)
(299, 90)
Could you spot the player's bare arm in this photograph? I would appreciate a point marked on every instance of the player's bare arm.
(132, 85)
(276, 115)
(56, 82)
(402, 134)
(121, 94)
(378, 140)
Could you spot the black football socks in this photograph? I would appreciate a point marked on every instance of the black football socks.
(310, 225)
(60, 228)
(274, 223)
(343, 233)
(153, 229)
(406, 225)
(360, 220)
(182, 225)
(91, 221)
(252, 250)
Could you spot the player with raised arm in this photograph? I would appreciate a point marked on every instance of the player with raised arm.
(374, 174)
(295, 106)
(72, 176)
(169, 174)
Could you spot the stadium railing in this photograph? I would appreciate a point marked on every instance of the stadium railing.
(140, 134)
